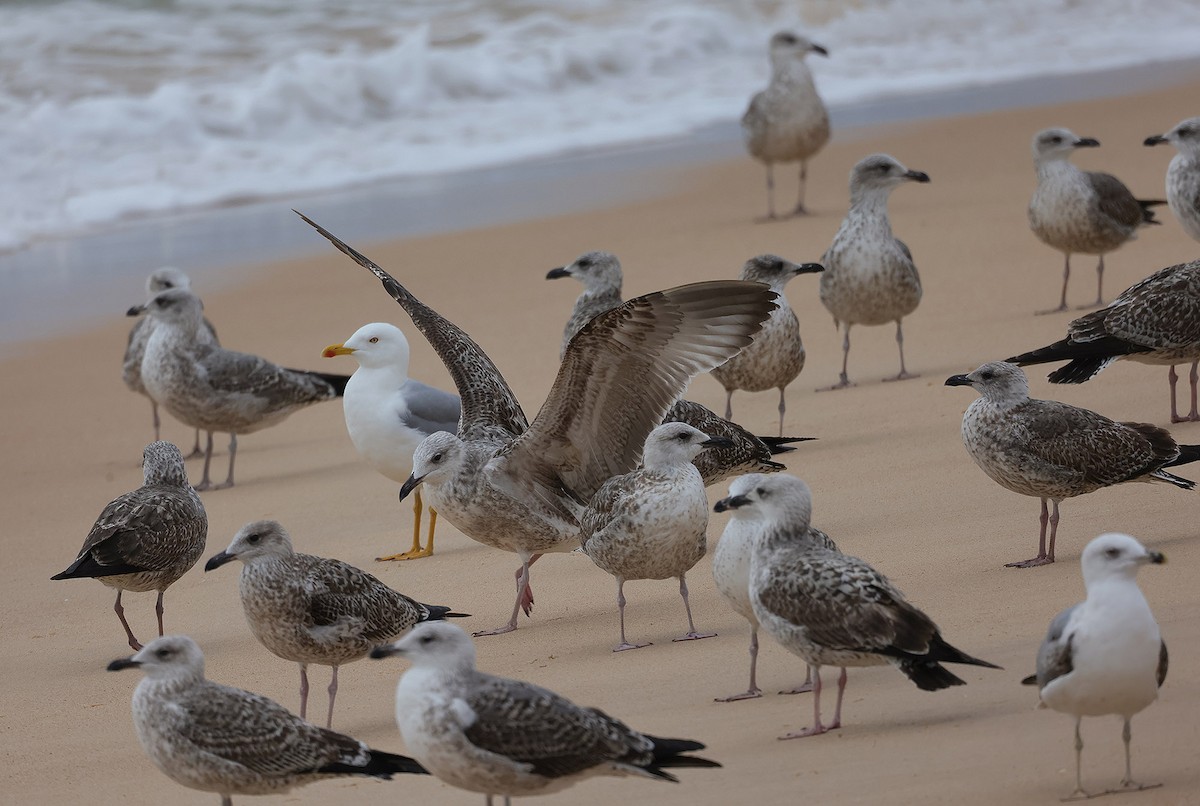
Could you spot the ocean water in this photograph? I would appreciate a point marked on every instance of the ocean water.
(112, 110)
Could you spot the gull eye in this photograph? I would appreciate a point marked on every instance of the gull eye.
(374, 340)
(163, 654)
(437, 457)
(987, 375)
(1056, 139)
(254, 538)
(1112, 553)
(762, 492)
(427, 639)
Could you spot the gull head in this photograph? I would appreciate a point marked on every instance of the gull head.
(786, 45)
(375, 345)
(598, 271)
(172, 657)
(678, 443)
(1115, 554)
(437, 457)
(776, 498)
(432, 644)
(166, 278)
(774, 271)
(1058, 144)
(177, 306)
(162, 463)
(254, 540)
(880, 173)
(998, 382)
(1185, 137)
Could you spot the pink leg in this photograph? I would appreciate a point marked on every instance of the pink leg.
(754, 691)
(303, 690)
(844, 378)
(804, 687)
(817, 728)
(205, 483)
(1062, 305)
(158, 611)
(1173, 379)
(232, 456)
(1042, 558)
(1194, 376)
(332, 695)
(526, 595)
(624, 645)
(157, 421)
(197, 451)
(120, 611)
(904, 374)
(800, 209)
(729, 405)
(691, 634)
(524, 600)
(782, 409)
(837, 712)
(1099, 286)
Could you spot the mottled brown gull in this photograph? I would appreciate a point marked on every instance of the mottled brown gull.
(1183, 174)
(500, 736)
(220, 739)
(139, 334)
(829, 608)
(521, 487)
(147, 539)
(650, 523)
(388, 413)
(1155, 321)
(776, 356)
(1085, 212)
(870, 277)
(1104, 655)
(731, 572)
(787, 122)
(600, 273)
(310, 609)
(1053, 451)
(209, 387)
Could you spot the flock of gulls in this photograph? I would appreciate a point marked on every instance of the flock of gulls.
(614, 465)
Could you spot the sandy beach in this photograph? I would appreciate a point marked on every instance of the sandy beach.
(890, 478)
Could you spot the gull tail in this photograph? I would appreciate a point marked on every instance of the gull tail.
(669, 753)
(378, 764)
(440, 613)
(778, 445)
(1187, 455)
(927, 671)
(86, 567)
(338, 382)
(1147, 213)
(1086, 358)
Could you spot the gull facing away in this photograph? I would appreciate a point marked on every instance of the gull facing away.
(829, 608)
(1053, 451)
(310, 609)
(216, 738)
(147, 539)
(1104, 655)
(731, 572)
(600, 273)
(209, 387)
(650, 523)
(499, 736)
(1085, 212)
(1183, 174)
(139, 334)
(522, 487)
(389, 413)
(870, 277)
(787, 122)
(776, 356)
(1155, 321)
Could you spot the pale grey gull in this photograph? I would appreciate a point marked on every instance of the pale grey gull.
(830, 608)
(209, 387)
(600, 273)
(776, 356)
(1053, 451)
(650, 523)
(220, 739)
(505, 737)
(1104, 655)
(388, 413)
(870, 277)
(787, 122)
(1086, 212)
(310, 609)
(1155, 321)
(731, 572)
(147, 539)
(521, 487)
(1183, 174)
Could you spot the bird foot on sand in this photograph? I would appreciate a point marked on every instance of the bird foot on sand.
(1059, 309)
(1091, 306)
(1191, 418)
(903, 376)
(803, 688)
(813, 731)
(695, 636)
(844, 383)
(624, 645)
(749, 694)
(497, 631)
(412, 554)
(1033, 562)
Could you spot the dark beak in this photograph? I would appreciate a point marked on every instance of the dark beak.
(807, 268)
(217, 560)
(1154, 140)
(1087, 142)
(409, 486)
(917, 176)
(384, 651)
(123, 663)
(958, 380)
(554, 274)
(1157, 557)
(717, 442)
(818, 49)
(732, 502)
(138, 310)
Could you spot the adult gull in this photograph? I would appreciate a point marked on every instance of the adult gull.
(1183, 174)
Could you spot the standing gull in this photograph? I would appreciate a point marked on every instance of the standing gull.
(1183, 174)
(146, 539)
(388, 413)
(310, 609)
(521, 487)
(600, 273)
(650, 523)
(135, 347)
(506, 737)
(220, 739)
(731, 572)
(870, 277)
(209, 387)
(1050, 450)
(1078, 211)
(776, 356)
(830, 608)
(787, 122)
(1104, 655)
(1156, 321)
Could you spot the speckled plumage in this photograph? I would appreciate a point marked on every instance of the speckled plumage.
(145, 540)
(1053, 451)
(216, 738)
(1183, 174)
(600, 273)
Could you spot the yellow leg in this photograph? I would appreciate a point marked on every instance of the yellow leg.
(416, 552)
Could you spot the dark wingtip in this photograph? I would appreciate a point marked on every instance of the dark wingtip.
(1029, 681)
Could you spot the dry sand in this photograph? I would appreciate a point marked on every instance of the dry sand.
(891, 482)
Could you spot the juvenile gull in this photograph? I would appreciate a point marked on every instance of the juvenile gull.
(776, 356)
(650, 523)
(146, 539)
(135, 347)
(830, 608)
(1104, 655)
(1052, 451)
(870, 277)
(787, 122)
(731, 572)
(1078, 211)
(209, 387)
(1155, 321)
(522, 487)
(388, 413)
(600, 273)
(220, 739)
(310, 609)
(506, 737)
(1183, 174)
